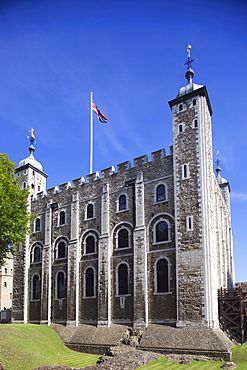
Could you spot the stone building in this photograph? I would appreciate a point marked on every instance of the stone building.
(6, 284)
(149, 243)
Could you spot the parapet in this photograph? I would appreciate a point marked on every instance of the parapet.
(124, 166)
(140, 161)
(158, 154)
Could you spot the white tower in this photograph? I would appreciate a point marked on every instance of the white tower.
(196, 193)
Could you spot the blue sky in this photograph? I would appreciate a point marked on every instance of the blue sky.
(129, 53)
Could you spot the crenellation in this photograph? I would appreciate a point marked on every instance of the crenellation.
(92, 177)
(78, 182)
(122, 167)
(52, 191)
(140, 161)
(158, 154)
(64, 187)
(107, 172)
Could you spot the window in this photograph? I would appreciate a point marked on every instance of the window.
(123, 238)
(122, 202)
(180, 128)
(195, 123)
(189, 223)
(185, 171)
(5, 284)
(37, 224)
(90, 244)
(194, 101)
(161, 232)
(36, 254)
(122, 279)
(180, 107)
(90, 211)
(61, 289)
(36, 287)
(160, 193)
(89, 282)
(62, 218)
(61, 250)
(6, 270)
(162, 276)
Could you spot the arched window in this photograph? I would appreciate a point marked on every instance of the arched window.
(90, 244)
(37, 254)
(61, 289)
(89, 282)
(61, 250)
(37, 224)
(36, 287)
(122, 202)
(160, 193)
(123, 238)
(122, 279)
(90, 210)
(162, 276)
(161, 232)
(62, 218)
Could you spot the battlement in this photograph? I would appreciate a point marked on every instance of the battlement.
(123, 167)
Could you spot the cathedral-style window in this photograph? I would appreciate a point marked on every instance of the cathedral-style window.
(162, 232)
(36, 291)
(122, 202)
(61, 288)
(62, 218)
(123, 238)
(122, 279)
(61, 250)
(162, 276)
(90, 211)
(37, 254)
(37, 224)
(90, 244)
(89, 282)
(160, 193)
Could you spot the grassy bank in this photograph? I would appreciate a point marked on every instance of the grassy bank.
(25, 347)
(239, 356)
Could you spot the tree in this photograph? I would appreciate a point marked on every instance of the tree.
(14, 216)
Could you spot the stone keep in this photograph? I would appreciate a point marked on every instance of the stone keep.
(149, 243)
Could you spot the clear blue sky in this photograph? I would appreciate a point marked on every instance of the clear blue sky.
(129, 53)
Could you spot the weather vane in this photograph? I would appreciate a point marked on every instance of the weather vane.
(32, 137)
(218, 169)
(189, 59)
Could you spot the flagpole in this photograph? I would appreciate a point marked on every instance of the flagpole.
(91, 134)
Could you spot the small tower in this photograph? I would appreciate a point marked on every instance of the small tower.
(196, 194)
(31, 171)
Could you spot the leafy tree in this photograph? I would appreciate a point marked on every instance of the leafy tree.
(14, 215)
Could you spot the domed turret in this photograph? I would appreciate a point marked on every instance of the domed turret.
(31, 171)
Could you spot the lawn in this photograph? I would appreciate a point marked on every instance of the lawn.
(25, 347)
(239, 356)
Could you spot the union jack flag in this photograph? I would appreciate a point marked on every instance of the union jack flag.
(100, 115)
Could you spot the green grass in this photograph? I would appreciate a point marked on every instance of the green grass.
(25, 347)
(239, 356)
